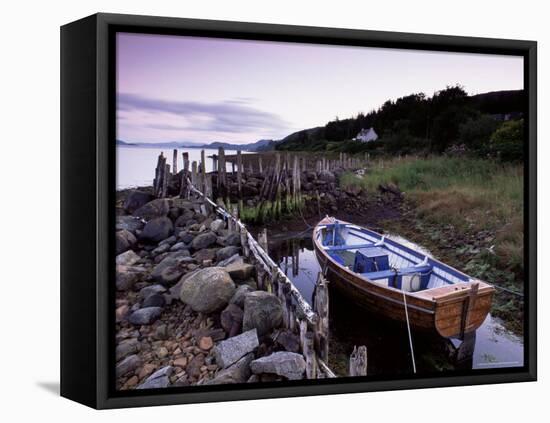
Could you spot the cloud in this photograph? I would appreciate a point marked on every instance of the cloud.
(229, 116)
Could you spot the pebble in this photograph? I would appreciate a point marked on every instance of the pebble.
(205, 343)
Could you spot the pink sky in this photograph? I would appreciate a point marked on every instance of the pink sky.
(192, 89)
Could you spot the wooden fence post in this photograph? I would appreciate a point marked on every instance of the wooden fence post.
(358, 361)
(321, 307)
(262, 239)
(260, 166)
(309, 354)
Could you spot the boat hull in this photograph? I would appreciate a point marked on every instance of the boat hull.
(451, 312)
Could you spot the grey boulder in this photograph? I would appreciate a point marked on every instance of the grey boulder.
(238, 372)
(159, 379)
(153, 209)
(145, 316)
(283, 363)
(127, 258)
(129, 223)
(124, 240)
(136, 199)
(203, 240)
(129, 364)
(233, 349)
(157, 229)
(262, 311)
(227, 252)
(207, 290)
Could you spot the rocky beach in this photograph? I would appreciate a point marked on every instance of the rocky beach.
(188, 308)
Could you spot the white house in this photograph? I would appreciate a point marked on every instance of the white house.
(366, 135)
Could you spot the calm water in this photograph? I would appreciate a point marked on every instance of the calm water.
(135, 166)
(387, 342)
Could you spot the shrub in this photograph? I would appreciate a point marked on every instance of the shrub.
(507, 142)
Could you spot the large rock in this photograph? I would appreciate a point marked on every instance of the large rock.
(204, 240)
(289, 341)
(231, 319)
(169, 270)
(159, 379)
(157, 229)
(136, 199)
(262, 311)
(240, 271)
(232, 239)
(127, 347)
(145, 316)
(226, 252)
(207, 290)
(233, 349)
(129, 364)
(236, 373)
(124, 240)
(186, 216)
(217, 225)
(283, 363)
(153, 209)
(127, 258)
(129, 223)
(127, 276)
(239, 296)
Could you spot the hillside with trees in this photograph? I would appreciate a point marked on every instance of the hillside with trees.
(449, 121)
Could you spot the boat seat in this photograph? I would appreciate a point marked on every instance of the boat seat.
(347, 247)
(396, 277)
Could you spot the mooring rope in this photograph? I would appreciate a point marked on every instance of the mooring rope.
(409, 331)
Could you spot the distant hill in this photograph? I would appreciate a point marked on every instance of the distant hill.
(261, 145)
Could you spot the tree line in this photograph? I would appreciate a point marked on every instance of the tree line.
(451, 122)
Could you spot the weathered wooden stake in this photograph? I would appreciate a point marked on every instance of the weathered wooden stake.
(309, 354)
(203, 171)
(262, 239)
(321, 307)
(358, 361)
(239, 174)
(260, 167)
(175, 161)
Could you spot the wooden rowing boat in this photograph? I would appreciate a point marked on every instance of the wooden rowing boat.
(384, 275)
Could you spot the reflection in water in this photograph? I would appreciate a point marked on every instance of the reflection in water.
(490, 346)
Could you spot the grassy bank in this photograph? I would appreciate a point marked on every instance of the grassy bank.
(470, 211)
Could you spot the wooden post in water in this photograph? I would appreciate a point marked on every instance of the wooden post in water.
(194, 173)
(214, 162)
(260, 167)
(321, 307)
(175, 161)
(240, 174)
(184, 189)
(158, 173)
(358, 361)
(203, 171)
(221, 173)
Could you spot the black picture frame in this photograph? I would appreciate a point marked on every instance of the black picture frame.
(87, 180)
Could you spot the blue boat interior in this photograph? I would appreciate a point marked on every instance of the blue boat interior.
(385, 261)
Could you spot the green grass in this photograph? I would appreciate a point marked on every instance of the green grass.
(473, 206)
(470, 195)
